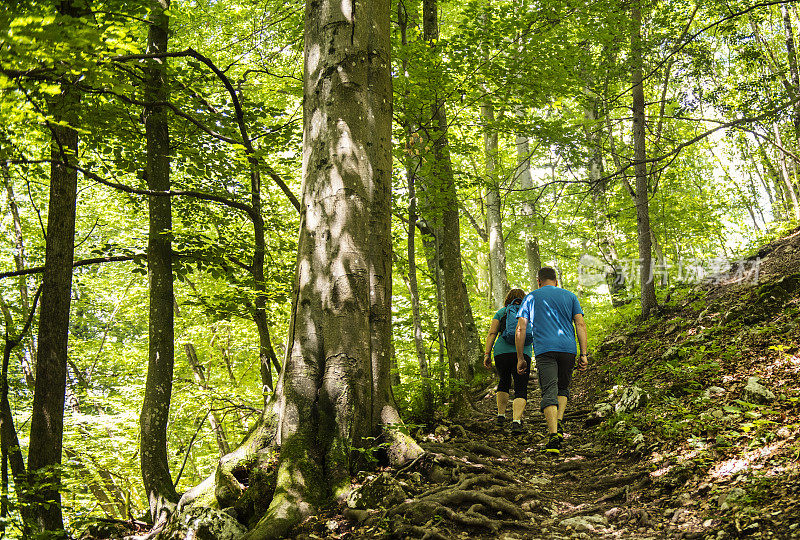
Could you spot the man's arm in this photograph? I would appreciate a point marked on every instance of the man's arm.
(519, 342)
(583, 341)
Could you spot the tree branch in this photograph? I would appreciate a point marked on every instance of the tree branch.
(76, 264)
(127, 189)
(246, 141)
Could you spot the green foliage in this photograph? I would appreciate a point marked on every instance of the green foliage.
(556, 74)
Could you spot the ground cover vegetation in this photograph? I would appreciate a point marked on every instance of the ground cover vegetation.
(250, 251)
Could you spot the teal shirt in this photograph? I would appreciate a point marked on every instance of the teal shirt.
(501, 346)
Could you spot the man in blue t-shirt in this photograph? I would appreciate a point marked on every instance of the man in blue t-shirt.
(551, 311)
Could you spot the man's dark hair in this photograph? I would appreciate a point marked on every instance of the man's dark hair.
(547, 274)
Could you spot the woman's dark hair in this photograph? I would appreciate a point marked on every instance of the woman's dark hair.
(547, 274)
(513, 294)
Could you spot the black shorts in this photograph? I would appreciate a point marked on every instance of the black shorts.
(506, 365)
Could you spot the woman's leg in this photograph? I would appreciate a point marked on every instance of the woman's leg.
(521, 390)
(504, 370)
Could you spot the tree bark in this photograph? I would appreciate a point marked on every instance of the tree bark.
(648, 291)
(784, 175)
(334, 390)
(614, 274)
(47, 416)
(28, 363)
(200, 379)
(791, 53)
(9, 441)
(532, 255)
(412, 165)
(266, 353)
(159, 489)
(494, 216)
(781, 209)
(460, 323)
(47, 422)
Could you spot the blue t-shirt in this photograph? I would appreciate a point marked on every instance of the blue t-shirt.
(501, 346)
(549, 311)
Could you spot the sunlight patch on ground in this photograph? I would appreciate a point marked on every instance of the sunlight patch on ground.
(750, 460)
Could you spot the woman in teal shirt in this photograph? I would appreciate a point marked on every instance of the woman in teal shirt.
(505, 360)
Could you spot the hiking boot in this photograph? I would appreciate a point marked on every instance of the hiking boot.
(560, 429)
(500, 422)
(516, 428)
(553, 445)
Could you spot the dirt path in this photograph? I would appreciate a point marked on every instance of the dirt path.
(480, 481)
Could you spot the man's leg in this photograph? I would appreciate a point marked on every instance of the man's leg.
(566, 363)
(562, 405)
(547, 368)
(551, 417)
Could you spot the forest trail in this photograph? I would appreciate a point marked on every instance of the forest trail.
(701, 458)
(492, 484)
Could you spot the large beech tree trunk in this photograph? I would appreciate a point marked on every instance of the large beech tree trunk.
(648, 298)
(160, 491)
(334, 390)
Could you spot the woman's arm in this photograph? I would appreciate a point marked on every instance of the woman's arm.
(490, 338)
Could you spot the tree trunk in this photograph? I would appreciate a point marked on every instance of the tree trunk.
(614, 274)
(160, 491)
(9, 442)
(661, 261)
(494, 216)
(47, 422)
(47, 416)
(532, 255)
(334, 388)
(791, 53)
(200, 379)
(648, 299)
(28, 363)
(413, 289)
(412, 165)
(266, 353)
(460, 323)
(780, 208)
(784, 175)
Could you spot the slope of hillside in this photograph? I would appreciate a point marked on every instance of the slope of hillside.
(710, 392)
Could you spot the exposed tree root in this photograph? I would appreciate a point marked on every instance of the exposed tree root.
(439, 504)
(473, 495)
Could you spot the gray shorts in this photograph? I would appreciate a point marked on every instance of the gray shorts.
(555, 374)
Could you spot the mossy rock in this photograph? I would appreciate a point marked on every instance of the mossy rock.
(379, 491)
(104, 530)
(779, 291)
(202, 524)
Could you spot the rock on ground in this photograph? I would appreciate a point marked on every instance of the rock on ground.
(203, 524)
